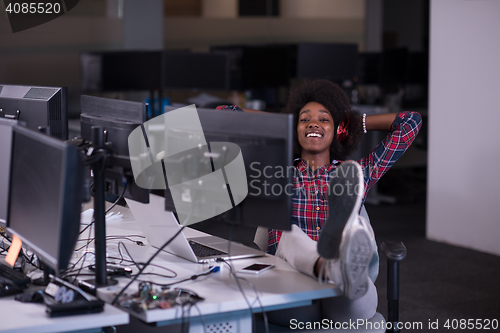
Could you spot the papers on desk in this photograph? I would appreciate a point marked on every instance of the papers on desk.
(88, 215)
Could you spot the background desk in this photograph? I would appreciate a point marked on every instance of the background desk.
(223, 304)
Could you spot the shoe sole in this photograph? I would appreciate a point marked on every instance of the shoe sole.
(355, 258)
(344, 203)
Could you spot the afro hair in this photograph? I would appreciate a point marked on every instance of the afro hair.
(334, 99)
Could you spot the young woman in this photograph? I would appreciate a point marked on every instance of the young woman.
(329, 193)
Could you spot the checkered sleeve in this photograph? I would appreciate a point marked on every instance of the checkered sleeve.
(229, 107)
(404, 130)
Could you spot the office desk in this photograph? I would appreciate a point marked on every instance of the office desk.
(223, 304)
(17, 317)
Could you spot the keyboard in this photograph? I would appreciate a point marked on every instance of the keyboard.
(11, 276)
(201, 250)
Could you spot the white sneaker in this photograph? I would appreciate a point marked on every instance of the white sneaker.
(346, 239)
(355, 255)
(350, 271)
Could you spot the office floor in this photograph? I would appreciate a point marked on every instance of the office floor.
(437, 281)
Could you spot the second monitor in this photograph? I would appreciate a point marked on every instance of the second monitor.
(117, 118)
(266, 142)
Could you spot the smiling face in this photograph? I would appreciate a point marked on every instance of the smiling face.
(315, 129)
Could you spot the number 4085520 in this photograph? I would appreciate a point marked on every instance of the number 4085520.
(471, 324)
(33, 8)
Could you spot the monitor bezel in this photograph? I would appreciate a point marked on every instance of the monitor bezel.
(69, 206)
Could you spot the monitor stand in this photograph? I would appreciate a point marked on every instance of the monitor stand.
(100, 280)
(45, 280)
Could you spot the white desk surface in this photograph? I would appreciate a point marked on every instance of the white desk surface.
(278, 288)
(17, 317)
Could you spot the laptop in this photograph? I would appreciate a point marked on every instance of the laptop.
(159, 225)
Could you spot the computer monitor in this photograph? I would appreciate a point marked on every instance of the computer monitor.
(266, 142)
(195, 70)
(370, 67)
(394, 68)
(45, 195)
(5, 153)
(330, 61)
(120, 71)
(234, 55)
(259, 66)
(267, 66)
(418, 65)
(118, 118)
(37, 107)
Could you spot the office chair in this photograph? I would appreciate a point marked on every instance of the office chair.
(395, 252)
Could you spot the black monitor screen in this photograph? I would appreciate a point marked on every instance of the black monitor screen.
(264, 66)
(131, 70)
(418, 68)
(5, 150)
(335, 62)
(234, 55)
(370, 67)
(37, 107)
(184, 70)
(394, 63)
(45, 196)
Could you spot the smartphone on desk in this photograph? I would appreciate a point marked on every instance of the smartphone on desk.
(256, 268)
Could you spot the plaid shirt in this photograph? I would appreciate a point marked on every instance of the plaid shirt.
(310, 201)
